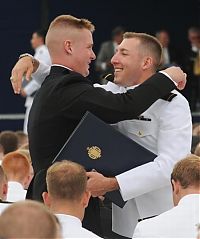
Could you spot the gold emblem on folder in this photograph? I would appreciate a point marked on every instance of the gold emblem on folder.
(94, 152)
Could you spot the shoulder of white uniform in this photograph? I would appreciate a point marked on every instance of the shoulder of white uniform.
(160, 219)
(179, 97)
(89, 233)
(175, 97)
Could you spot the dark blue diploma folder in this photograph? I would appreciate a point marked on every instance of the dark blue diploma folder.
(97, 145)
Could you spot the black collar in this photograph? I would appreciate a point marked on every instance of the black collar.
(59, 70)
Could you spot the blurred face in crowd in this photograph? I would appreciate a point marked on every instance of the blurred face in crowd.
(36, 40)
(194, 38)
(128, 63)
(164, 39)
(80, 48)
(118, 38)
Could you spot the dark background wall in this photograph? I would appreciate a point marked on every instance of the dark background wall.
(19, 18)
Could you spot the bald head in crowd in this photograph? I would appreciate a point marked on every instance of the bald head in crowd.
(66, 38)
(17, 167)
(186, 178)
(28, 219)
(3, 185)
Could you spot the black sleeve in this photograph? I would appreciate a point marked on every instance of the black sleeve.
(117, 107)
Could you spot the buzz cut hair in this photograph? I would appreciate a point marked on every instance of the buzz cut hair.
(71, 21)
(66, 180)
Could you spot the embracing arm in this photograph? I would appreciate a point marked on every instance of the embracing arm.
(25, 67)
(174, 143)
(113, 108)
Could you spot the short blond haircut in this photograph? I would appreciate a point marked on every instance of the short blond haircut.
(66, 180)
(186, 171)
(17, 165)
(28, 219)
(66, 21)
(149, 44)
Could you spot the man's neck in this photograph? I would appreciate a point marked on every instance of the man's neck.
(188, 191)
(67, 208)
(16, 180)
(143, 78)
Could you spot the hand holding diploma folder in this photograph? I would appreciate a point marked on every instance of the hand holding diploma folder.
(97, 145)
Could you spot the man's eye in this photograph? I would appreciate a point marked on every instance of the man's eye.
(124, 54)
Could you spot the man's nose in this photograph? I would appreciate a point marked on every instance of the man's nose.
(93, 55)
(114, 59)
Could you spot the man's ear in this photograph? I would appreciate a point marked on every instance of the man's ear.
(86, 198)
(68, 47)
(147, 63)
(46, 199)
(175, 187)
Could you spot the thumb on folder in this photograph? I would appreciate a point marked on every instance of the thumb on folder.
(99, 185)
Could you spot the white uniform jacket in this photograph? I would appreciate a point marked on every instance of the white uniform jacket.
(72, 227)
(179, 222)
(147, 188)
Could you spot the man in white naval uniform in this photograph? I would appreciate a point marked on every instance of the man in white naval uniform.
(165, 129)
(168, 134)
(41, 54)
(183, 219)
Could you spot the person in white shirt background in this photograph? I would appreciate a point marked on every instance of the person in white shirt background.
(167, 132)
(67, 197)
(30, 88)
(17, 168)
(171, 54)
(182, 220)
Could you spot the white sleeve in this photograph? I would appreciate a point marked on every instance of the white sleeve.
(137, 233)
(41, 73)
(174, 143)
(31, 87)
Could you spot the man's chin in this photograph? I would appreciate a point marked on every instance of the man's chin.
(117, 81)
(86, 73)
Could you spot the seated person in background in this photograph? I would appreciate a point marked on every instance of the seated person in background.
(181, 221)
(3, 190)
(67, 197)
(22, 138)
(8, 142)
(28, 219)
(17, 168)
(26, 153)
